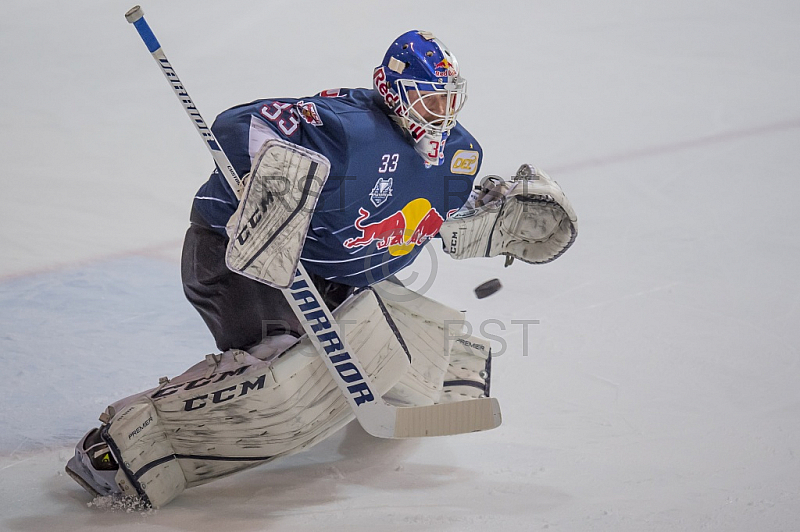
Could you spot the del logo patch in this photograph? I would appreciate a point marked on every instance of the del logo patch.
(464, 162)
(381, 191)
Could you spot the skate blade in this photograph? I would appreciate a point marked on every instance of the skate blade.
(114, 501)
(85, 485)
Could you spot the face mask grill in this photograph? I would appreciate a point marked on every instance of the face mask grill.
(434, 106)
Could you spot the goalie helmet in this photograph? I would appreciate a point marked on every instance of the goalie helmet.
(420, 81)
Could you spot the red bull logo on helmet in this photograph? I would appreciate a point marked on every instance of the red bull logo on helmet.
(444, 69)
(382, 86)
(413, 225)
(392, 101)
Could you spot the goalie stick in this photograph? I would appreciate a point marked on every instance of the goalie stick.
(375, 415)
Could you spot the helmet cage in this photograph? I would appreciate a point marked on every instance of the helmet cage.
(431, 105)
(420, 81)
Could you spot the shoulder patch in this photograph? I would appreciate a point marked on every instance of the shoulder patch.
(464, 162)
(331, 93)
(308, 111)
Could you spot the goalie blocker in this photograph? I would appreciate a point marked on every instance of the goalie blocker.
(268, 229)
(234, 411)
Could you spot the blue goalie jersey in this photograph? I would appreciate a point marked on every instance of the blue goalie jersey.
(381, 202)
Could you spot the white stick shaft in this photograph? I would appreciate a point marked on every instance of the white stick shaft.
(136, 17)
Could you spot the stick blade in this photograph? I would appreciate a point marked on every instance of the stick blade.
(449, 418)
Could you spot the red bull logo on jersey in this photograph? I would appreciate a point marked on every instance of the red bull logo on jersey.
(444, 69)
(413, 225)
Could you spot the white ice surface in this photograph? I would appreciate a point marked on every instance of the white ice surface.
(660, 390)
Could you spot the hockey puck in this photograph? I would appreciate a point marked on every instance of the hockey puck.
(488, 288)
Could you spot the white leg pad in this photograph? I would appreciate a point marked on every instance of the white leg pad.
(430, 330)
(137, 437)
(234, 411)
(469, 372)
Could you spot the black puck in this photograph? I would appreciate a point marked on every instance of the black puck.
(488, 288)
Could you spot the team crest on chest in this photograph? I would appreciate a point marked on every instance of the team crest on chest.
(381, 191)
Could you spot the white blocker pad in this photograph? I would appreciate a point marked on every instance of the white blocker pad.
(533, 221)
(234, 411)
(268, 229)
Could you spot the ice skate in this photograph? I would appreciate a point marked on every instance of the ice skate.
(93, 466)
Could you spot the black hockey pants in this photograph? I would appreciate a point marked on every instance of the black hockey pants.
(238, 311)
